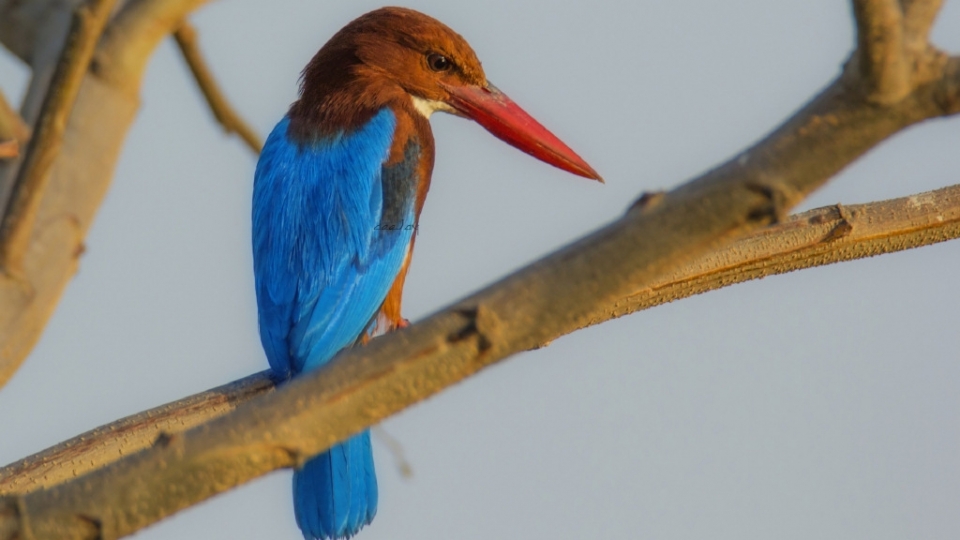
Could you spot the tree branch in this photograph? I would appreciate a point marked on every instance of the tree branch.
(26, 27)
(21, 212)
(9, 149)
(186, 38)
(12, 127)
(36, 32)
(882, 58)
(105, 444)
(396, 450)
(108, 98)
(918, 17)
(815, 238)
(948, 95)
(136, 31)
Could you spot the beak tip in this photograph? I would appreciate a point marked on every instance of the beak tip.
(587, 172)
(592, 175)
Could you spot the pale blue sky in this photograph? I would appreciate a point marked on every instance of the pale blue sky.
(818, 404)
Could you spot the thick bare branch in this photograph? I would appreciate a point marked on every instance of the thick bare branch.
(108, 98)
(133, 36)
(36, 32)
(106, 444)
(815, 238)
(21, 213)
(882, 59)
(818, 237)
(186, 37)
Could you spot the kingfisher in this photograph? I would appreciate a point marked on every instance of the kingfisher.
(337, 197)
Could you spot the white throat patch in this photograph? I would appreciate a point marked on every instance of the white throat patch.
(426, 107)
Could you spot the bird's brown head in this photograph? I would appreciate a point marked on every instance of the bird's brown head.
(401, 58)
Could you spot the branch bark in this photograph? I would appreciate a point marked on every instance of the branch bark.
(186, 37)
(79, 178)
(35, 32)
(106, 444)
(364, 385)
(21, 212)
(918, 17)
(815, 238)
(882, 54)
(818, 237)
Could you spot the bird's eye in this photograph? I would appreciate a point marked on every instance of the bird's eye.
(439, 62)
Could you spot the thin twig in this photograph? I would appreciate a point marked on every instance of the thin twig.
(12, 125)
(9, 149)
(18, 220)
(394, 446)
(186, 37)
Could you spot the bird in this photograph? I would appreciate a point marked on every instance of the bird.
(338, 191)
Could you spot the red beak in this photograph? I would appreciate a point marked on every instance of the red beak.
(493, 110)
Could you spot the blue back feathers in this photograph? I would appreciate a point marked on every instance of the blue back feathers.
(331, 229)
(326, 248)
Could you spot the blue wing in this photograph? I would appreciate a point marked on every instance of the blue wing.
(324, 255)
(332, 226)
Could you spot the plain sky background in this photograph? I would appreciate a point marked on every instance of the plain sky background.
(820, 404)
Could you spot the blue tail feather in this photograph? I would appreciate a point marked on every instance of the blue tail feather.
(335, 493)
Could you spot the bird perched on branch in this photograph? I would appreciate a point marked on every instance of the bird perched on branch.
(337, 196)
